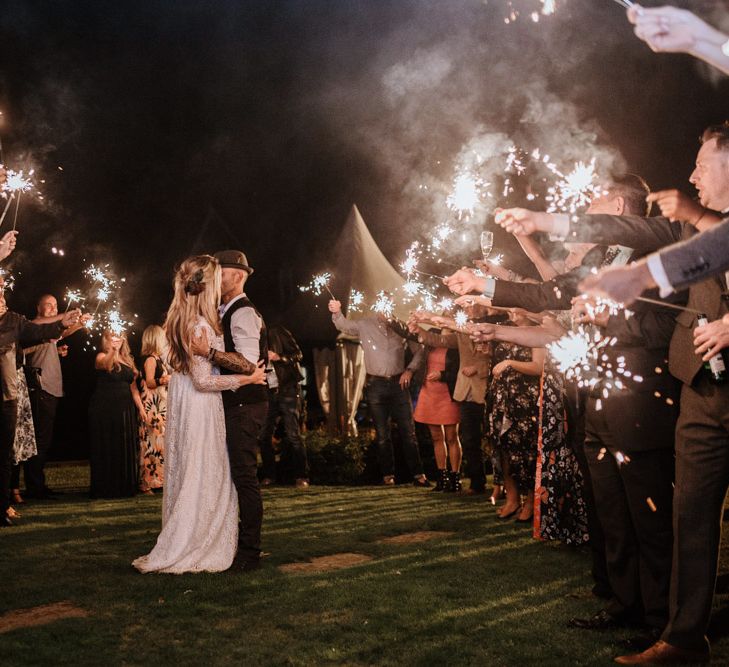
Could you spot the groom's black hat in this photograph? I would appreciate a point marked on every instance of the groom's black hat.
(233, 259)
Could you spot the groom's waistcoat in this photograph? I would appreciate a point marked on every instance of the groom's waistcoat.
(250, 393)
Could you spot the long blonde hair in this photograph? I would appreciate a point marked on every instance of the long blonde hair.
(113, 359)
(154, 341)
(197, 293)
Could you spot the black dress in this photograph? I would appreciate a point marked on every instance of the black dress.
(114, 435)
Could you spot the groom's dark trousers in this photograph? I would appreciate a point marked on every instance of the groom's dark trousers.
(243, 423)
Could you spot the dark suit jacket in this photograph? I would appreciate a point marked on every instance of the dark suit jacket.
(554, 294)
(706, 255)
(649, 235)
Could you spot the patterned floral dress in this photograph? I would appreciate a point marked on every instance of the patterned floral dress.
(24, 446)
(152, 436)
(559, 506)
(512, 410)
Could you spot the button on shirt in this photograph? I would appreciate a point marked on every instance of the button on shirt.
(245, 329)
(384, 350)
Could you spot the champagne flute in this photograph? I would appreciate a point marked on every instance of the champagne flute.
(487, 243)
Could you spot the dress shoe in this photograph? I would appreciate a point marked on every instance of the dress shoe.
(422, 482)
(600, 621)
(388, 480)
(639, 643)
(662, 653)
(243, 565)
(302, 483)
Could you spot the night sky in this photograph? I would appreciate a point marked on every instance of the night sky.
(191, 126)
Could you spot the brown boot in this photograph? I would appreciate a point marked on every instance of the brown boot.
(662, 653)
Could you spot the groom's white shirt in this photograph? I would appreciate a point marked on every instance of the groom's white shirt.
(245, 328)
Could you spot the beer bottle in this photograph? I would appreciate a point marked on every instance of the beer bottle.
(715, 366)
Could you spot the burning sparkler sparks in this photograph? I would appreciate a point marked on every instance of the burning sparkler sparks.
(356, 301)
(548, 7)
(17, 181)
(318, 284)
(461, 319)
(384, 305)
(575, 190)
(466, 194)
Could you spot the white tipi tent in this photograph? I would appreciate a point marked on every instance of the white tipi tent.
(340, 374)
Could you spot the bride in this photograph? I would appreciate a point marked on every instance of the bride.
(200, 504)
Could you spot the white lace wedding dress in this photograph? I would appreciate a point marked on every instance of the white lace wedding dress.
(200, 504)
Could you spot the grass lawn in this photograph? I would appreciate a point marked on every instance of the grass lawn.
(486, 594)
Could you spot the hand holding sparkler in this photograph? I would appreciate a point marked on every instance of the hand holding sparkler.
(335, 306)
(711, 338)
(588, 310)
(7, 244)
(673, 30)
(464, 281)
(623, 284)
(677, 206)
(524, 222)
(71, 318)
(492, 268)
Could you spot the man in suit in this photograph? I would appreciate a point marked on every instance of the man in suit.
(244, 332)
(702, 431)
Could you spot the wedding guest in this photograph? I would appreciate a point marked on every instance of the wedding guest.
(113, 428)
(387, 388)
(156, 377)
(512, 419)
(25, 444)
(435, 406)
(13, 328)
(284, 398)
(45, 384)
(469, 393)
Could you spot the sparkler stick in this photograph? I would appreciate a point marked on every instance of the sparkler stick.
(657, 302)
(627, 4)
(17, 206)
(7, 206)
(431, 275)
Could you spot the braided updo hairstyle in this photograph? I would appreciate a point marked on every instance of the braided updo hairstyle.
(197, 293)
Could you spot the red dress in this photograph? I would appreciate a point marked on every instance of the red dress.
(435, 405)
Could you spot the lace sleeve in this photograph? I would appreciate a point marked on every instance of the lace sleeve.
(204, 379)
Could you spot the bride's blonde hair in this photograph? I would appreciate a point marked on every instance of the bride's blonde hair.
(197, 293)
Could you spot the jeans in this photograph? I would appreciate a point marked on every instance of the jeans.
(285, 406)
(388, 400)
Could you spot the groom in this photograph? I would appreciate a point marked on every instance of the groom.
(245, 409)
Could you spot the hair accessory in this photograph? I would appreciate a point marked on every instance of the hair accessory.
(195, 284)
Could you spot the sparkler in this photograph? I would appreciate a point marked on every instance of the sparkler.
(461, 319)
(384, 305)
(318, 283)
(627, 4)
(466, 194)
(71, 297)
(356, 300)
(575, 190)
